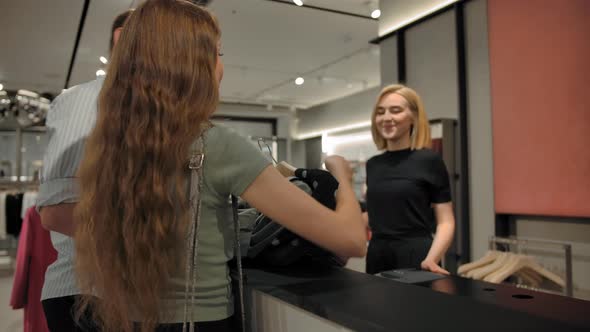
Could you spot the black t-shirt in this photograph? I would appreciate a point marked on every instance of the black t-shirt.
(401, 186)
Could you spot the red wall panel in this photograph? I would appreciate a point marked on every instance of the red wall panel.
(540, 82)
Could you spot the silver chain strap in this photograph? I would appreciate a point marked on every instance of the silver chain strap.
(196, 167)
(196, 183)
(238, 254)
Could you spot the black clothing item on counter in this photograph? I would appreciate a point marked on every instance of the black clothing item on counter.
(401, 186)
(271, 244)
(386, 254)
(14, 207)
(322, 184)
(59, 314)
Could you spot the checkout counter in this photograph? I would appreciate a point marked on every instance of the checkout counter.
(327, 299)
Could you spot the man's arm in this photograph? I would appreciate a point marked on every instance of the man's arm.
(59, 218)
(70, 118)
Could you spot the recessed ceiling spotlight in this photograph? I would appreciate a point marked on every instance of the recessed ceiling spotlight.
(376, 13)
(298, 2)
(103, 60)
(299, 80)
(100, 72)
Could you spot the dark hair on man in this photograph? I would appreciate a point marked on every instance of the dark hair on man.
(118, 23)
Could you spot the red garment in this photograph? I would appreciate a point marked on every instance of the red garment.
(35, 253)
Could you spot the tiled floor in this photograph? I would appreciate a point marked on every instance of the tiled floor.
(10, 320)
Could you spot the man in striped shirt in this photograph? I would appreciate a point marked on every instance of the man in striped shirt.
(70, 120)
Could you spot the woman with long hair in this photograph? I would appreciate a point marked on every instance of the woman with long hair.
(408, 190)
(133, 218)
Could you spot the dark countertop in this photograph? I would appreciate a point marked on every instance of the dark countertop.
(363, 302)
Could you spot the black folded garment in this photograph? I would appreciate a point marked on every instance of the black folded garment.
(271, 244)
(322, 183)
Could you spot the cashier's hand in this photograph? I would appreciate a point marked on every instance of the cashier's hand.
(431, 266)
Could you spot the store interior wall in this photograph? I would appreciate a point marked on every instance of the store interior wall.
(480, 127)
(298, 154)
(431, 65)
(348, 111)
(283, 116)
(389, 60)
(284, 122)
(539, 65)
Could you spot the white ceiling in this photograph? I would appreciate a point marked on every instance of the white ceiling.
(95, 38)
(37, 42)
(358, 7)
(397, 13)
(267, 44)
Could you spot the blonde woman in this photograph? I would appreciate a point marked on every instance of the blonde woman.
(408, 192)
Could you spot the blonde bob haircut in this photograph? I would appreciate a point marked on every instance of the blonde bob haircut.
(420, 132)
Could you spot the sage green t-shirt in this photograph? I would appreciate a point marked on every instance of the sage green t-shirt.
(231, 164)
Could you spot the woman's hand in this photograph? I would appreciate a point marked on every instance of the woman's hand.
(339, 167)
(431, 266)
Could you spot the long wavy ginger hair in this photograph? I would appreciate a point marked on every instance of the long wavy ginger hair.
(130, 232)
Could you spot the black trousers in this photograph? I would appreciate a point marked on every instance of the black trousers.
(59, 315)
(389, 254)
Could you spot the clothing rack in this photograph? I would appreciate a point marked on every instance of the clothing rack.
(524, 246)
(9, 242)
(18, 185)
(270, 150)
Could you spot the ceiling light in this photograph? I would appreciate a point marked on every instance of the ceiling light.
(103, 60)
(376, 13)
(298, 2)
(1, 87)
(299, 80)
(100, 72)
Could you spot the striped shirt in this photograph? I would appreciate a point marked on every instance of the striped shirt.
(71, 118)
